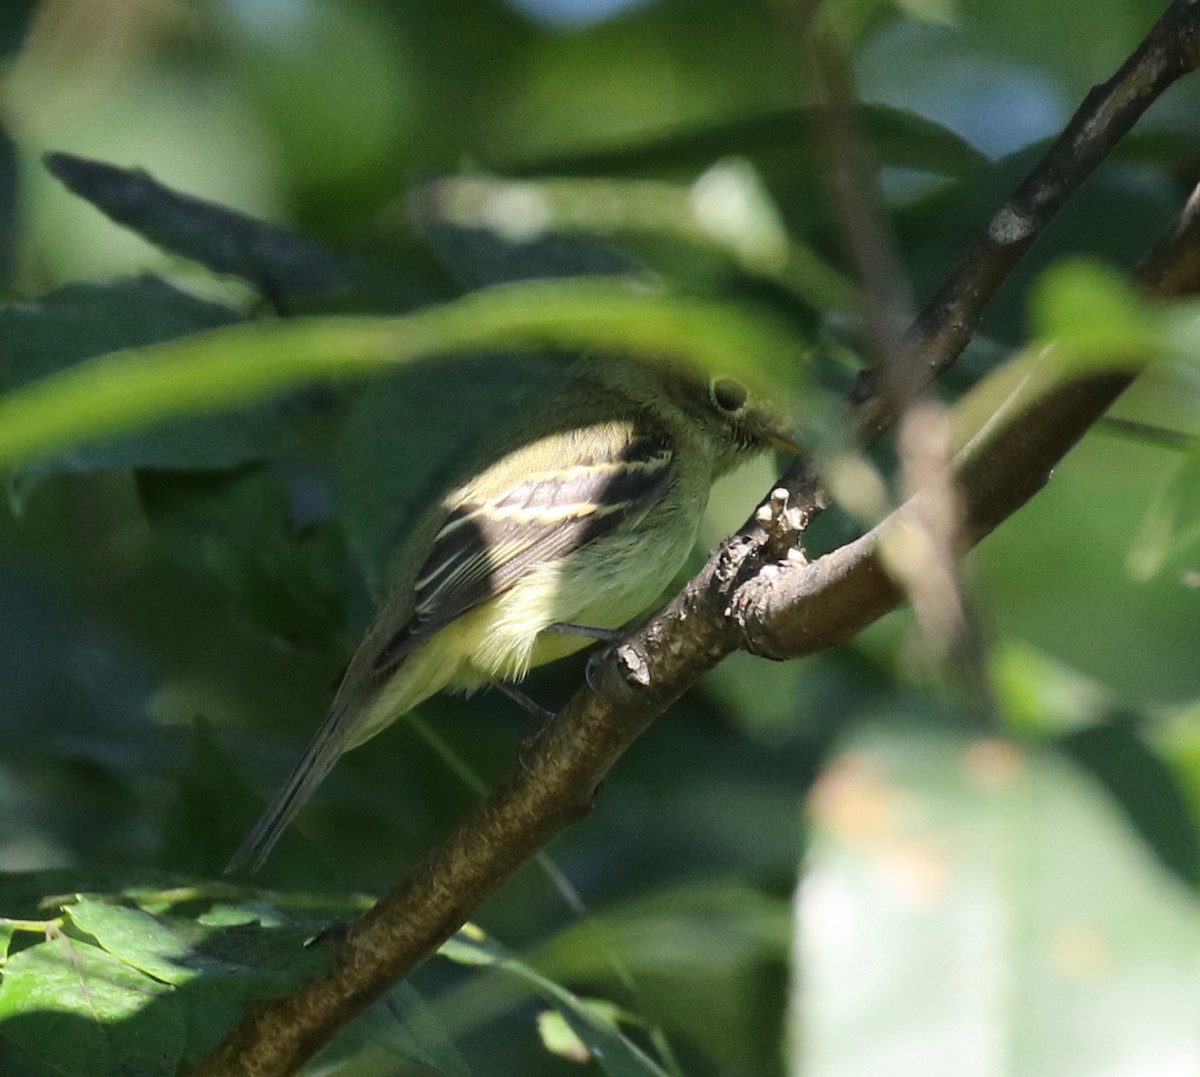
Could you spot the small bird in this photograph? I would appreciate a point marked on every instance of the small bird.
(576, 522)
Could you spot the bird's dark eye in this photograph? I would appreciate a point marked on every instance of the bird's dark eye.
(727, 395)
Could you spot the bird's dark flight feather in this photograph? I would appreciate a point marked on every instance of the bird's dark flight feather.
(484, 549)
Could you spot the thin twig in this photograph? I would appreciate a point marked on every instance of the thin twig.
(1171, 49)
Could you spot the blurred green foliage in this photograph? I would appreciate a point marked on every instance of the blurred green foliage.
(818, 867)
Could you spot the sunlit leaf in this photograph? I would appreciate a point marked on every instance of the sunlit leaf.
(81, 1011)
(1092, 313)
(1041, 697)
(514, 229)
(1171, 526)
(1007, 887)
(218, 370)
(64, 330)
(241, 961)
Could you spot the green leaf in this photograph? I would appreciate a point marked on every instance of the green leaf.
(1171, 526)
(285, 577)
(595, 1027)
(697, 929)
(79, 321)
(223, 240)
(65, 329)
(1093, 314)
(703, 944)
(32, 894)
(1041, 697)
(8, 205)
(283, 266)
(242, 961)
(97, 687)
(206, 817)
(540, 223)
(1055, 576)
(145, 942)
(225, 368)
(1145, 788)
(207, 820)
(559, 1038)
(781, 143)
(977, 909)
(405, 1026)
(15, 18)
(78, 1009)
(7, 930)
(479, 254)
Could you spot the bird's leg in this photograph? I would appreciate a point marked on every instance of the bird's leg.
(605, 635)
(533, 707)
(524, 702)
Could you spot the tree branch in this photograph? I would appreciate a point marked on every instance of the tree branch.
(750, 594)
(943, 329)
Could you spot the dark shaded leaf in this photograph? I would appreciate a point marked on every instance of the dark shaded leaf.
(15, 16)
(287, 269)
(8, 205)
(1145, 788)
(478, 257)
(211, 813)
(1134, 203)
(284, 572)
(79, 321)
(276, 261)
(53, 664)
(404, 1025)
(595, 1026)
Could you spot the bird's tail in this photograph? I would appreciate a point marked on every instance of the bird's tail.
(360, 709)
(318, 760)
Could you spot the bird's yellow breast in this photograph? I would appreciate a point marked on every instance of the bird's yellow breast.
(604, 585)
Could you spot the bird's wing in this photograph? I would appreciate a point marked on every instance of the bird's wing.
(487, 544)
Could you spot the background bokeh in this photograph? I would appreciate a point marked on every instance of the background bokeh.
(829, 867)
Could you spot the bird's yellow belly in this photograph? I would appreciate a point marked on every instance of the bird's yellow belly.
(599, 587)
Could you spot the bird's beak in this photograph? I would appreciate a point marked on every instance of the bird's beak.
(779, 429)
(783, 441)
